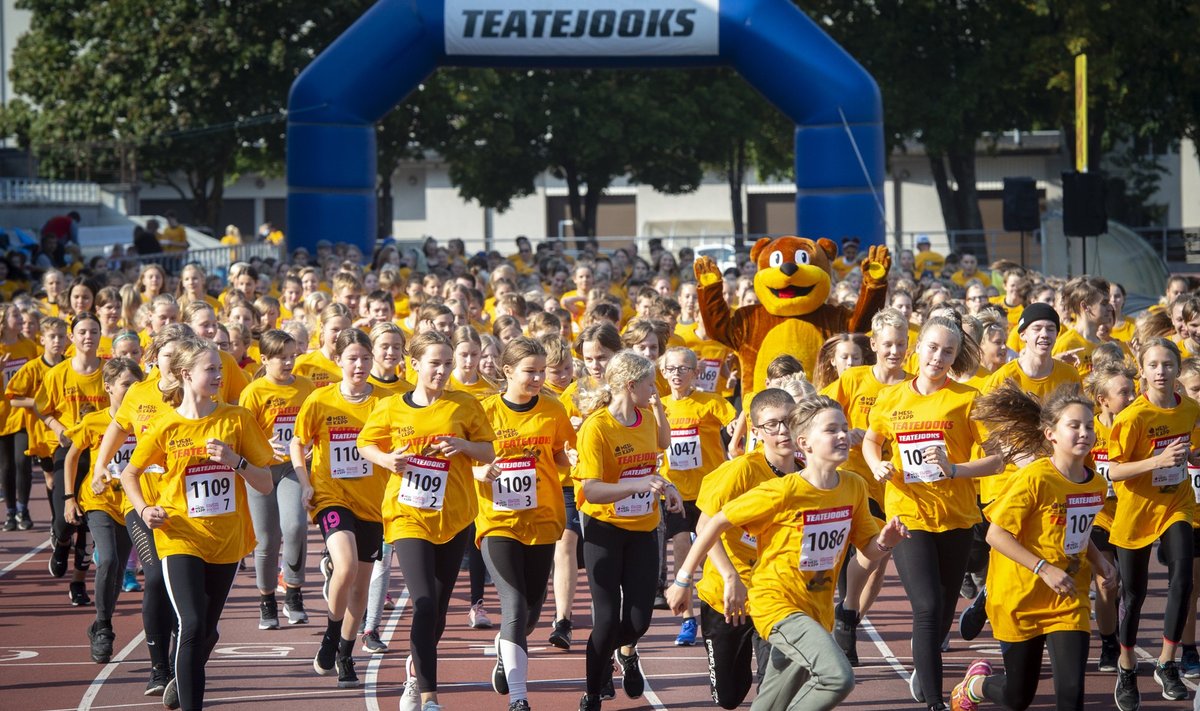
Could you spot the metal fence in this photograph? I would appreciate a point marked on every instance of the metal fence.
(32, 191)
(214, 260)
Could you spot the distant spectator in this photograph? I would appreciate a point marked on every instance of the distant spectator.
(174, 237)
(232, 235)
(145, 241)
(49, 254)
(64, 228)
(267, 232)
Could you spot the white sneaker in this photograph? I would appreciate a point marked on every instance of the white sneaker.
(478, 618)
(410, 700)
(431, 706)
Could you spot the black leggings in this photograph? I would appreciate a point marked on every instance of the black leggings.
(112, 550)
(198, 591)
(622, 568)
(1023, 667)
(16, 470)
(430, 571)
(476, 567)
(158, 617)
(521, 574)
(730, 648)
(1134, 564)
(931, 568)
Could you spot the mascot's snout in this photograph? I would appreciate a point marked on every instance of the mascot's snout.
(789, 269)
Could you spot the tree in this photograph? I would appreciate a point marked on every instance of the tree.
(182, 87)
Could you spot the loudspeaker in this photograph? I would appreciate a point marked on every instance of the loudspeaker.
(1021, 205)
(1084, 212)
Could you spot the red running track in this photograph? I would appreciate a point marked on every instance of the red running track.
(44, 662)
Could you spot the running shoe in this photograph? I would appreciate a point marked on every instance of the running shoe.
(59, 552)
(431, 706)
(326, 573)
(1126, 693)
(518, 705)
(388, 602)
(130, 583)
(560, 636)
(687, 633)
(24, 522)
(1167, 676)
(607, 692)
(323, 662)
(410, 700)
(293, 605)
(372, 644)
(960, 698)
(1110, 651)
(10, 522)
(77, 592)
(170, 697)
(633, 681)
(974, 617)
(347, 679)
(946, 643)
(660, 600)
(100, 641)
(280, 587)
(845, 633)
(1191, 663)
(477, 617)
(160, 676)
(589, 702)
(914, 688)
(499, 680)
(967, 590)
(268, 613)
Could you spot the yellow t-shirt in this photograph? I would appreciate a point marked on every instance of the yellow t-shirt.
(526, 501)
(339, 474)
(173, 239)
(1149, 503)
(609, 451)
(86, 435)
(727, 482)
(25, 384)
(1013, 313)
(65, 394)
(856, 391)
(1051, 516)
(434, 498)
(928, 261)
(143, 404)
(841, 267)
(233, 379)
(479, 389)
(12, 358)
(275, 407)
(802, 533)
(1104, 519)
(1071, 340)
(207, 513)
(710, 358)
(1125, 330)
(696, 422)
(399, 386)
(1060, 374)
(961, 279)
(919, 493)
(316, 367)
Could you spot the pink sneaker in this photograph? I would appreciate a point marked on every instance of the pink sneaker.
(960, 699)
(478, 618)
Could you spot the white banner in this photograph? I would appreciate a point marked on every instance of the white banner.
(569, 28)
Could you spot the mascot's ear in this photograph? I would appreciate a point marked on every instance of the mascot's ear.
(758, 247)
(828, 247)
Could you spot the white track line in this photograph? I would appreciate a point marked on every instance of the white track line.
(1150, 657)
(884, 650)
(94, 689)
(377, 659)
(44, 545)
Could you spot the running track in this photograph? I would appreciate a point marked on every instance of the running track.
(44, 662)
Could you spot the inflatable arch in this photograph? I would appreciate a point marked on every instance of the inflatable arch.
(335, 102)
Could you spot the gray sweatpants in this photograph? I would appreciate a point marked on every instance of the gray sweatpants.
(112, 550)
(279, 522)
(808, 671)
(381, 577)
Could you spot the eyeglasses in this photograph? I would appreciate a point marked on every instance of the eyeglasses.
(977, 298)
(673, 369)
(773, 427)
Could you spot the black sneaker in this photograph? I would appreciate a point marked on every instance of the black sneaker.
(968, 590)
(1126, 694)
(1167, 676)
(972, 619)
(10, 523)
(100, 640)
(518, 705)
(323, 663)
(660, 601)
(268, 613)
(293, 606)
(77, 591)
(59, 552)
(589, 702)
(499, 680)
(1110, 651)
(24, 522)
(372, 644)
(347, 679)
(170, 699)
(633, 682)
(560, 636)
(160, 676)
(607, 692)
(845, 633)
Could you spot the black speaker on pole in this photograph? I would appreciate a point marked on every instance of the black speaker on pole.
(1021, 212)
(1084, 212)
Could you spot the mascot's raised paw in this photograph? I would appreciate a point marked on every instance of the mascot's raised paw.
(877, 264)
(707, 271)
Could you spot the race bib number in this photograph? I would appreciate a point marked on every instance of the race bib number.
(825, 532)
(1100, 458)
(685, 449)
(423, 484)
(121, 458)
(1081, 511)
(285, 429)
(11, 367)
(636, 504)
(748, 540)
(515, 489)
(1168, 476)
(1194, 475)
(209, 489)
(345, 461)
(707, 373)
(912, 446)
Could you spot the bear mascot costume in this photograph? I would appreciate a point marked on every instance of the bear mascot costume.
(791, 317)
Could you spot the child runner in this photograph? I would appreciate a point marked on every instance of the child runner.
(318, 365)
(1189, 663)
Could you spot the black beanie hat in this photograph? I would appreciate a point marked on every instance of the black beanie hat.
(1037, 312)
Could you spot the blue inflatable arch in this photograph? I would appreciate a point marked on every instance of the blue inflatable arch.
(335, 103)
